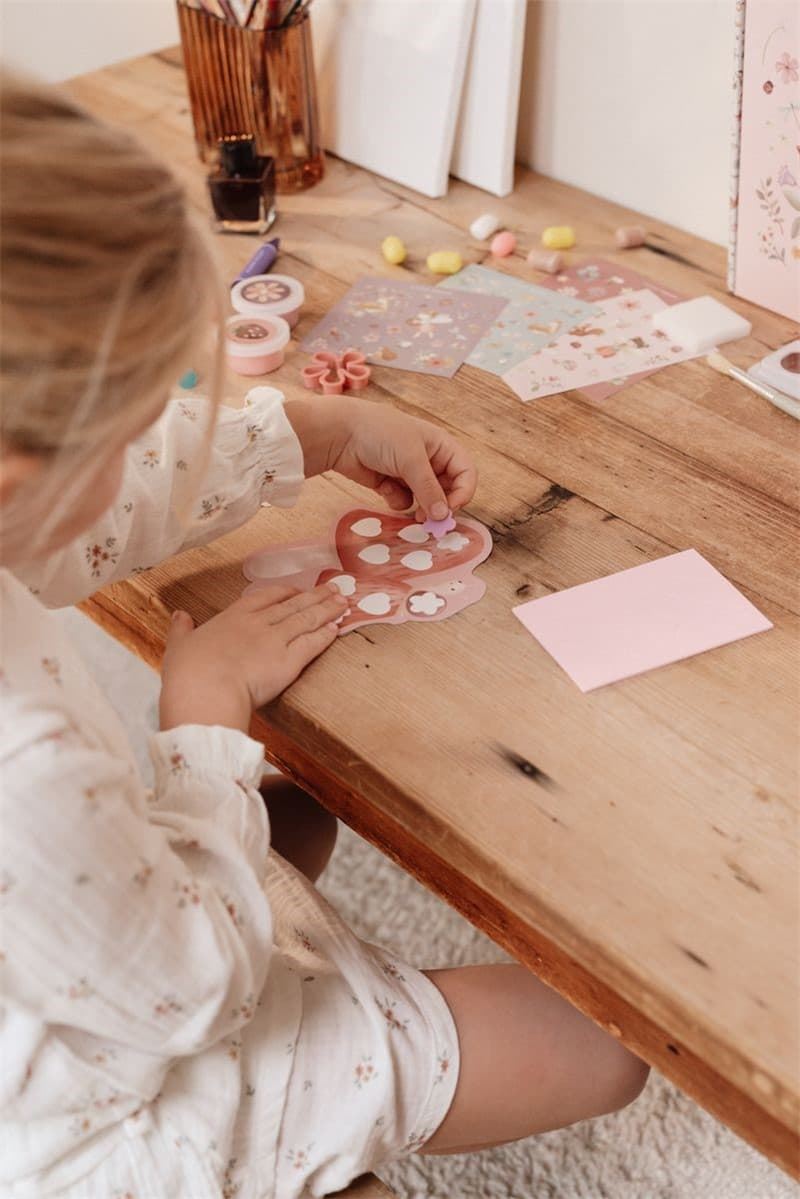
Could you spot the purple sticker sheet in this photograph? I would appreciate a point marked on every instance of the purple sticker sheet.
(407, 325)
(595, 280)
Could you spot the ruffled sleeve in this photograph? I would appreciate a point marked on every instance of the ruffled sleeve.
(255, 459)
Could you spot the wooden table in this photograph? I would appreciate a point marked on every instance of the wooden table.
(636, 846)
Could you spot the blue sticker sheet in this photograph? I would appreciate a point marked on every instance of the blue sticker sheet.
(533, 317)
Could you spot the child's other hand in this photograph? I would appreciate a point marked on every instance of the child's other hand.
(404, 459)
(245, 656)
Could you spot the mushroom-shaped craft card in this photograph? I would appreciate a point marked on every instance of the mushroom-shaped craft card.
(390, 568)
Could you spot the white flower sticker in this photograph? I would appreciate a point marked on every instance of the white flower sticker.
(452, 541)
(418, 560)
(413, 533)
(425, 603)
(376, 604)
(370, 526)
(376, 555)
(346, 584)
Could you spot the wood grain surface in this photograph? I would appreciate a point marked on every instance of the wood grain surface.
(636, 846)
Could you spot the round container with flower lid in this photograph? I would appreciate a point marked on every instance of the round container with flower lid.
(255, 345)
(269, 295)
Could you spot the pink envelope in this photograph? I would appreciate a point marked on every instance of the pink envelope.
(637, 619)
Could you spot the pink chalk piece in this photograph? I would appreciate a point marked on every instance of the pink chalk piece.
(334, 373)
(438, 528)
(503, 244)
(628, 237)
(632, 621)
(389, 567)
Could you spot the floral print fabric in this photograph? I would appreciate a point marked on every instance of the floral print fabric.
(255, 459)
(153, 1011)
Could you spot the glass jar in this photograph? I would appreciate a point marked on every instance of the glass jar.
(257, 83)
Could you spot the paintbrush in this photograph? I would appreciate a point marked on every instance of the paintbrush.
(786, 404)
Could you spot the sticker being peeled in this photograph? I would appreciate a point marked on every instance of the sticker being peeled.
(388, 567)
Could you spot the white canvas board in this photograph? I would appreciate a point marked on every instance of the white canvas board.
(483, 152)
(390, 75)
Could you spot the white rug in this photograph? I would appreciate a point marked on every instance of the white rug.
(663, 1147)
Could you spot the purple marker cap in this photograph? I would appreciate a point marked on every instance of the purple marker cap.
(261, 262)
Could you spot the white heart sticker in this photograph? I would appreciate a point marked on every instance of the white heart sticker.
(418, 560)
(376, 555)
(377, 604)
(370, 526)
(452, 541)
(345, 583)
(413, 533)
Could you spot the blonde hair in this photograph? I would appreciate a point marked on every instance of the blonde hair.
(104, 276)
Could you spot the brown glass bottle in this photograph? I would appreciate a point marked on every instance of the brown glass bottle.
(258, 81)
(242, 189)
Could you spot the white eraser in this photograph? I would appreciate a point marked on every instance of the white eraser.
(484, 226)
(701, 324)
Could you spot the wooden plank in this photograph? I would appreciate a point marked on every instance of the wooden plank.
(648, 866)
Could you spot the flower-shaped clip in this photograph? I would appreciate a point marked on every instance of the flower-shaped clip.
(334, 373)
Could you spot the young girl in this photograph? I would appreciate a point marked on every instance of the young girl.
(185, 1017)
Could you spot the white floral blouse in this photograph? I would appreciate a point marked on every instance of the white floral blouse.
(135, 935)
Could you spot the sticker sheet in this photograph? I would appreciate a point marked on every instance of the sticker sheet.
(609, 348)
(595, 280)
(637, 619)
(533, 317)
(389, 567)
(408, 325)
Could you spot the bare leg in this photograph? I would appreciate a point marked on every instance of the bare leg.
(301, 830)
(530, 1062)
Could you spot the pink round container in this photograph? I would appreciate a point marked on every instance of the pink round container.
(269, 295)
(255, 345)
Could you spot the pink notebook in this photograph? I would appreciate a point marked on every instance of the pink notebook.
(764, 263)
(647, 616)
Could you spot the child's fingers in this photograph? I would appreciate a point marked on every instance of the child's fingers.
(302, 600)
(308, 646)
(180, 624)
(312, 617)
(460, 487)
(395, 494)
(256, 597)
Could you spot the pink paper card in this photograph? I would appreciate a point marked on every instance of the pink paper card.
(389, 567)
(595, 280)
(618, 343)
(633, 621)
(398, 323)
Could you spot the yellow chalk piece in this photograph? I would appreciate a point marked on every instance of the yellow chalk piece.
(445, 262)
(393, 250)
(559, 237)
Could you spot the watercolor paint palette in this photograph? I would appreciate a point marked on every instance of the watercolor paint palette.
(389, 567)
(406, 325)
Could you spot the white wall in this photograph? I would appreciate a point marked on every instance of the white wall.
(59, 38)
(632, 99)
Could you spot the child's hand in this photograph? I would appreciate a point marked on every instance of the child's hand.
(405, 459)
(245, 656)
